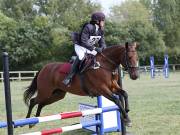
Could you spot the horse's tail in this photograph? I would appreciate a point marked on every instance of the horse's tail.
(30, 90)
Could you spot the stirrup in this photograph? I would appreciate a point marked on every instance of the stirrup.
(96, 65)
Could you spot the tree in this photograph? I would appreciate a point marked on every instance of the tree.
(135, 19)
(166, 17)
(7, 32)
(68, 13)
(38, 32)
(18, 9)
(116, 33)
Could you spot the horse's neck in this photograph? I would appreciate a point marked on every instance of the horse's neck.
(115, 54)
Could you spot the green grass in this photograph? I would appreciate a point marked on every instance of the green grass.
(154, 104)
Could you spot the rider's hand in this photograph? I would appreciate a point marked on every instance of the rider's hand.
(99, 50)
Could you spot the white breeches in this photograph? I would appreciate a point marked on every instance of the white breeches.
(81, 51)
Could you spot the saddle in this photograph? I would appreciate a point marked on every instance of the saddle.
(89, 62)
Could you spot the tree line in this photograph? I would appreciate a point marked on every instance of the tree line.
(37, 32)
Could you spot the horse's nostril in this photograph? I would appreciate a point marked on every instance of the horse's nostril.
(134, 76)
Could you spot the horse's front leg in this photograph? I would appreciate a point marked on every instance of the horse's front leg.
(124, 94)
(123, 97)
(109, 95)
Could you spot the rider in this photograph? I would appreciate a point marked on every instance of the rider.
(92, 33)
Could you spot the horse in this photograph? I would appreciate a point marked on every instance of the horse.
(48, 87)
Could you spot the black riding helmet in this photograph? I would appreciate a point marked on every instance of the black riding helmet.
(97, 17)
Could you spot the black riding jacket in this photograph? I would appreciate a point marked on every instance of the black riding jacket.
(87, 32)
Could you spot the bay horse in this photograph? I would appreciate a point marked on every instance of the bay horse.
(48, 86)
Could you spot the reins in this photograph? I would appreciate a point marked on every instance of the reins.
(110, 61)
(128, 66)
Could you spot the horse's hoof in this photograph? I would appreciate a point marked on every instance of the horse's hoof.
(31, 126)
(128, 122)
(19, 126)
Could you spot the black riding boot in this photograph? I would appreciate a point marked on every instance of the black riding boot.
(74, 69)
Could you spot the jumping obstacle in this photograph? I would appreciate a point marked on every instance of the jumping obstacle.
(100, 111)
(103, 121)
(154, 70)
(110, 119)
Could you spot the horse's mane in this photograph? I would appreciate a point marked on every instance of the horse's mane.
(115, 46)
(112, 47)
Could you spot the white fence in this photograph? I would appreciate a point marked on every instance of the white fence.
(172, 67)
(20, 75)
(28, 75)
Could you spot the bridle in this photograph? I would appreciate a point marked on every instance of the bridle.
(128, 66)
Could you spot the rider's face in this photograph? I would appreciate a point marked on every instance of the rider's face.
(101, 24)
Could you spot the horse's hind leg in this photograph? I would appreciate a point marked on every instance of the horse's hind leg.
(57, 95)
(31, 105)
(38, 112)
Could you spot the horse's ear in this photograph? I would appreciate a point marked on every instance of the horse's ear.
(126, 45)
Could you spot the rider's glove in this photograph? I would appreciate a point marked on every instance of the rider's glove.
(99, 50)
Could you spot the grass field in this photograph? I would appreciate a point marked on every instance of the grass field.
(155, 106)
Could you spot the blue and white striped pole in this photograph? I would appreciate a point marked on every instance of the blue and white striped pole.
(152, 67)
(166, 66)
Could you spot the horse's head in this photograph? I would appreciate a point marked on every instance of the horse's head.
(130, 60)
(124, 55)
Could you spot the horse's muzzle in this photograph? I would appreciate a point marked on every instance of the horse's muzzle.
(134, 73)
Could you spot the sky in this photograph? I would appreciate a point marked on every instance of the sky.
(106, 4)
